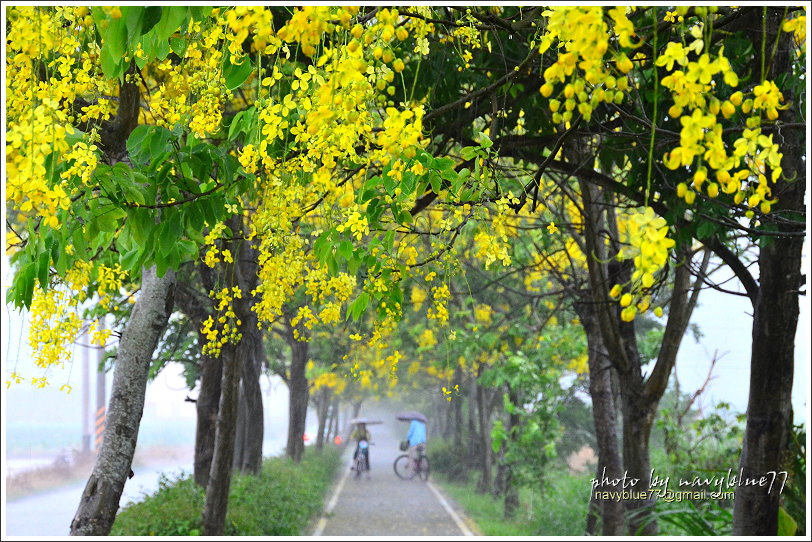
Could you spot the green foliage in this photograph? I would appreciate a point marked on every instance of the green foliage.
(559, 511)
(794, 497)
(449, 461)
(693, 443)
(706, 518)
(281, 501)
(536, 389)
(174, 510)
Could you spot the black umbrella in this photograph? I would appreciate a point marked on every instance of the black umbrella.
(412, 415)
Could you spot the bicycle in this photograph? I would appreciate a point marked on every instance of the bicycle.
(360, 463)
(406, 469)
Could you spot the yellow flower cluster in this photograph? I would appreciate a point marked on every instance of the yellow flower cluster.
(226, 329)
(98, 336)
(402, 132)
(427, 338)
(211, 258)
(483, 313)
(328, 380)
(84, 161)
(355, 223)
(701, 143)
(645, 239)
(109, 283)
(449, 392)
(797, 26)
(586, 39)
(439, 309)
(308, 23)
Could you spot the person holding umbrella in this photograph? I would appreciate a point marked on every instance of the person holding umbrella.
(362, 438)
(416, 435)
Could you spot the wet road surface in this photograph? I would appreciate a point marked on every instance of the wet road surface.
(383, 504)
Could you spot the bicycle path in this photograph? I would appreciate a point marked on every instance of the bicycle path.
(385, 505)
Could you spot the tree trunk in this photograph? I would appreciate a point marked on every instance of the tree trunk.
(485, 481)
(297, 406)
(100, 500)
(197, 306)
(214, 512)
(458, 424)
(775, 319)
(603, 412)
(250, 419)
(474, 442)
(322, 409)
(208, 405)
(511, 503)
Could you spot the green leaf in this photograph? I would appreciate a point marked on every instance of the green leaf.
(171, 19)
(200, 12)
(43, 268)
(787, 526)
(111, 65)
(236, 74)
(705, 229)
(434, 180)
(22, 289)
(171, 231)
(357, 307)
(115, 38)
(152, 15)
(133, 17)
(130, 260)
(468, 153)
(345, 249)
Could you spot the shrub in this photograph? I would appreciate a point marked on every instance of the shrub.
(448, 460)
(173, 510)
(280, 501)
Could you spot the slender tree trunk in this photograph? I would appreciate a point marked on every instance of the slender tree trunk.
(208, 405)
(473, 438)
(216, 507)
(511, 490)
(297, 406)
(197, 306)
(458, 423)
(100, 500)
(484, 445)
(331, 415)
(322, 408)
(250, 426)
(775, 320)
(240, 429)
(603, 412)
(335, 419)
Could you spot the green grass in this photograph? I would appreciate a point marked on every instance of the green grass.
(559, 511)
(282, 501)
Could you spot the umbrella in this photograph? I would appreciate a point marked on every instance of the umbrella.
(412, 415)
(368, 421)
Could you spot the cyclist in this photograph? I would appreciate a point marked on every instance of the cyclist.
(360, 434)
(417, 440)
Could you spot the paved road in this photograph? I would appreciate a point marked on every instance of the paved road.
(50, 513)
(385, 504)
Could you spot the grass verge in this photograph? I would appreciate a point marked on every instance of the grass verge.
(559, 511)
(281, 501)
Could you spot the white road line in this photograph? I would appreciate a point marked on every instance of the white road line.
(461, 524)
(330, 505)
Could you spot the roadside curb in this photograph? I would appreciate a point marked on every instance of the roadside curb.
(466, 524)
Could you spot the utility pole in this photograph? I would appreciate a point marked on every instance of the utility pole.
(86, 396)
